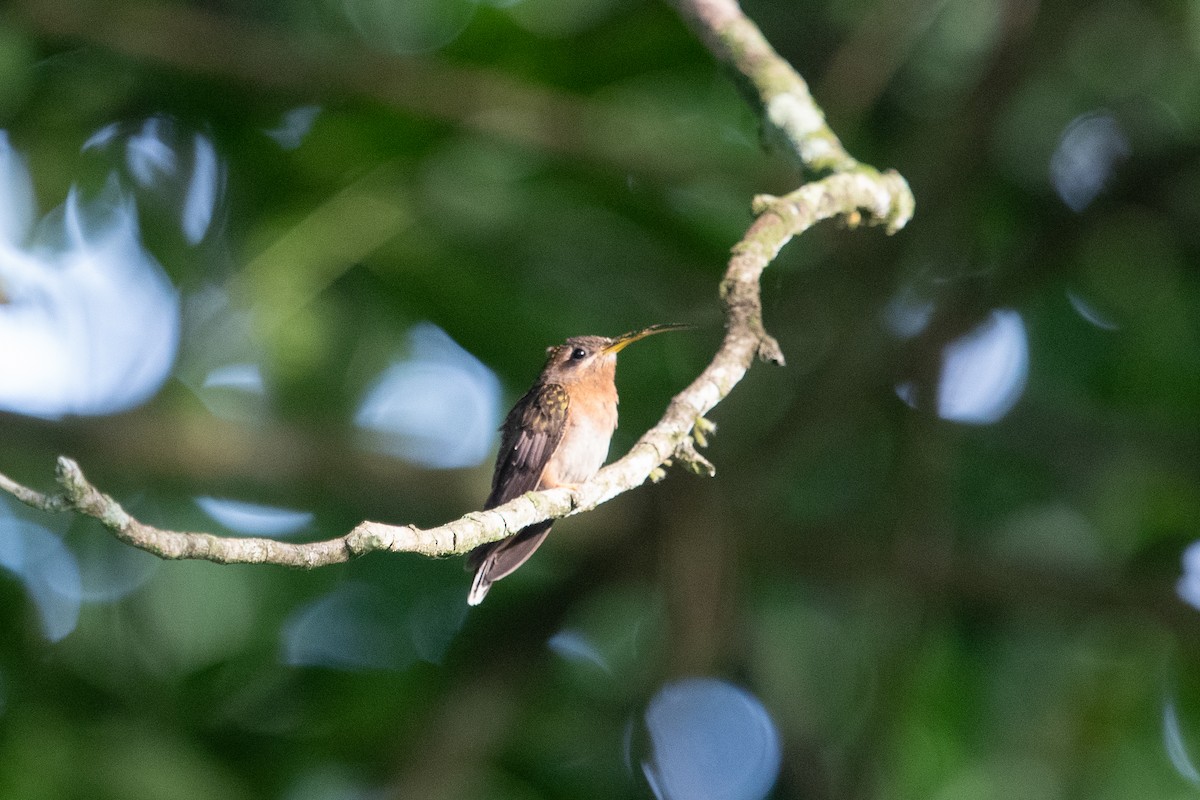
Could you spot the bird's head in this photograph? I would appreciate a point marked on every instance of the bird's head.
(585, 357)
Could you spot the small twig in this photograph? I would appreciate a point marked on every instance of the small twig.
(690, 457)
(31, 497)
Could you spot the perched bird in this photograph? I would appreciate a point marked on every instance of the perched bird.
(556, 435)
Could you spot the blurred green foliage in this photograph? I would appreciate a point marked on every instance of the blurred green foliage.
(926, 608)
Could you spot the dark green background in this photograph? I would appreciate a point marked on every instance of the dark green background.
(927, 609)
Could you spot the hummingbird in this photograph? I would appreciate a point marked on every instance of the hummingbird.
(556, 435)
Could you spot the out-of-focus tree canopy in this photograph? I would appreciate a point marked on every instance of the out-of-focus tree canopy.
(275, 268)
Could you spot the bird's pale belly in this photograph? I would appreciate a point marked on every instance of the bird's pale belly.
(583, 448)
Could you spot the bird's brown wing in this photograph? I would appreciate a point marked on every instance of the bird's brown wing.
(529, 436)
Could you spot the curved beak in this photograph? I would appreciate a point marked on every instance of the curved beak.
(619, 343)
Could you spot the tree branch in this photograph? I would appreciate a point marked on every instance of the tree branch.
(774, 86)
(852, 191)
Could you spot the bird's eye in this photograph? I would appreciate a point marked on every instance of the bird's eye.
(578, 353)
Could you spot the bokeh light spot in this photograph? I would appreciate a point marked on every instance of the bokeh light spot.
(984, 372)
(91, 325)
(1188, 586)
(220, 360)
(907, 313)
(573, 645)
(1090, 313)
(1090, 149)
(48, 570)
(200, 201)
(294, 126)
(352, 627)
(710, 740)
(108, 569)
(358, 626)
(173, 170)
(254, 519)
(439, 408)
(1177, 749)
(412, 26)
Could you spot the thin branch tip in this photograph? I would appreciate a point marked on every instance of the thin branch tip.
(693, 461)
(904, 203)
(69, 476)
(770, 352)
(31, 497)
(761, 203)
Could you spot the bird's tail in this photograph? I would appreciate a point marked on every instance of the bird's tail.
(497, 560)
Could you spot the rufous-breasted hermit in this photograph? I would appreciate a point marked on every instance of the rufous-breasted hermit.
(556, 435)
